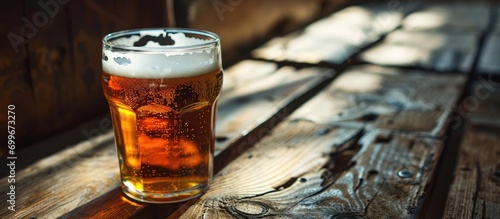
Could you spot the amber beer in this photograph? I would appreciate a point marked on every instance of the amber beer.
(163, 118)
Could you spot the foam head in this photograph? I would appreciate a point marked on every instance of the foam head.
(160, 54)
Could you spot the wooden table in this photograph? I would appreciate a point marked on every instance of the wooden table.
(399, 123)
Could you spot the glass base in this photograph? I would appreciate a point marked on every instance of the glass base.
(164, 198)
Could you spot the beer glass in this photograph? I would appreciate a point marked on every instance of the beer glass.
(162, 87)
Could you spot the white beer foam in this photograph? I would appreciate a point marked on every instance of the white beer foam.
(161, 64)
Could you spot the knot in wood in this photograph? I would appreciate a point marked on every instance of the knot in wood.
(250, 208)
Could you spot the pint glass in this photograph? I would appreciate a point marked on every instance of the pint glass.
(162, 87)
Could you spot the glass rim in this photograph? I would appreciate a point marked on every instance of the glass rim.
(108, 38)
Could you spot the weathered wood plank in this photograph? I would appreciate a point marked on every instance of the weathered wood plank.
(310, 167)
(441, 51)
(475, 192)
(387, 98)
(450, 17)
(336, 38)
(64, 181)
(76, 182)
(297, 172)
(242, 107)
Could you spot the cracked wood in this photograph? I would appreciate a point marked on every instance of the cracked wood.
(315, 165)
(302, 171)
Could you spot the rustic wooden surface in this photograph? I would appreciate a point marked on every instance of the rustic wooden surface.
(256, 89)
(475, 192)
(389, 99)
(312, 168)
(338, 156)
(442, 51)
(81, 180)
(336, 38)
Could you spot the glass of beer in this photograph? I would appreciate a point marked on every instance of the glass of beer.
(162, 87)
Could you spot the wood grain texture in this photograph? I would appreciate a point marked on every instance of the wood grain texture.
(441, 51)
(475, 192)
(51, 71)
(15, 80)
(297, 172)
(83, 180)
(63, 182)
(334, 39)
(387, 98)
